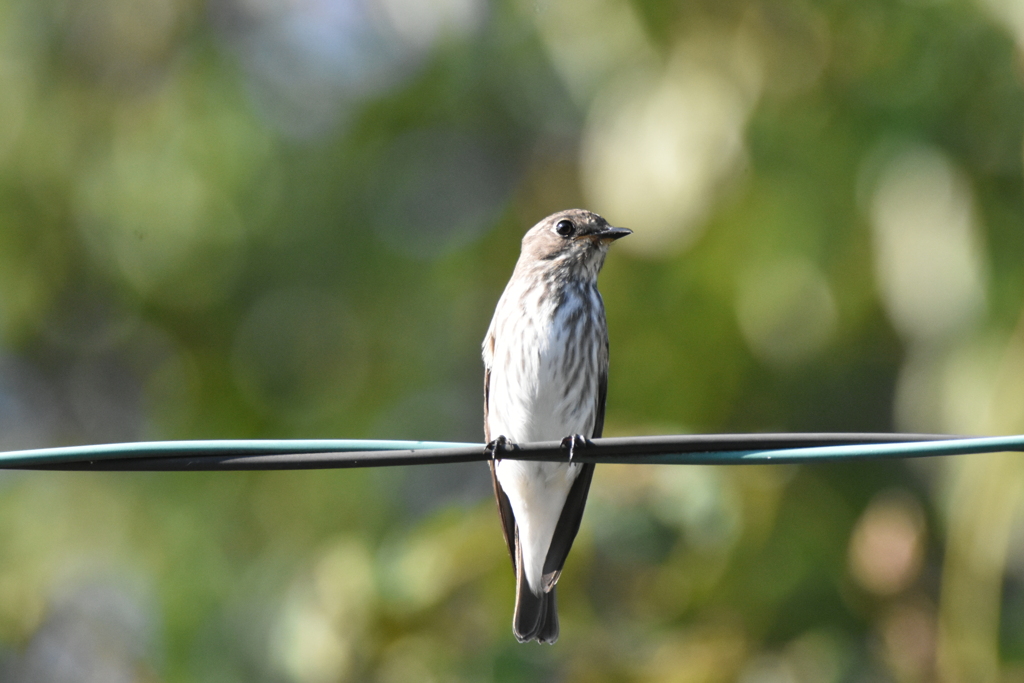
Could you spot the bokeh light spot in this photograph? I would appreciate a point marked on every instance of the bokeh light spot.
(909, 633)
(323, 616)
(928, 259)
(656, 148)
(887, 545)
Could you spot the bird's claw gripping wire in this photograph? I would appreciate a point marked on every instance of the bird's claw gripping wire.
(495, 448)
(573, 442)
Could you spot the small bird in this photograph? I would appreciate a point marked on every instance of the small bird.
(545, 379)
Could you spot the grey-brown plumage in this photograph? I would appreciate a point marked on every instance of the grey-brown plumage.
(545, 379)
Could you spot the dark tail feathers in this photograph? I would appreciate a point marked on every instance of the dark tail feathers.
(536, 616)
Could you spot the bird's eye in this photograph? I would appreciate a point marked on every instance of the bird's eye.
(565, 228)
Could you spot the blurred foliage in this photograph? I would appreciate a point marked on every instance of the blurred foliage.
(258, 218)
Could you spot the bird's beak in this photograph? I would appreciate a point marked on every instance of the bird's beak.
(610, 234)
(604, 236)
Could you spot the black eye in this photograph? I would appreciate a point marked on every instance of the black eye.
(565, 228)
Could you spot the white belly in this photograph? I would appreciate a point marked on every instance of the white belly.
(537, 492)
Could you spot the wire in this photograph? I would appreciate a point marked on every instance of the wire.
(717, 449)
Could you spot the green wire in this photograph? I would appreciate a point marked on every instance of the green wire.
(778, 456)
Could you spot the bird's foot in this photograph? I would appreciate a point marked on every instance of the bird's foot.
(495, 448)
(573, 442)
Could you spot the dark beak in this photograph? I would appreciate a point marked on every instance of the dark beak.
(611, 234)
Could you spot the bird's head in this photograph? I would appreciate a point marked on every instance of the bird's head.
(574, 241)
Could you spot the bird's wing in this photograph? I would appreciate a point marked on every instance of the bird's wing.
(568, 525)
(487, 400)
(602, 396)
(488, 355)
(508, 520)
(572, 512)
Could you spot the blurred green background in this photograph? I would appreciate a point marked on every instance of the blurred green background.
(293, 218)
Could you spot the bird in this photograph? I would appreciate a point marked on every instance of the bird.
(546, 379)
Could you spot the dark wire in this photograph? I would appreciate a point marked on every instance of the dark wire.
(327, 454)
